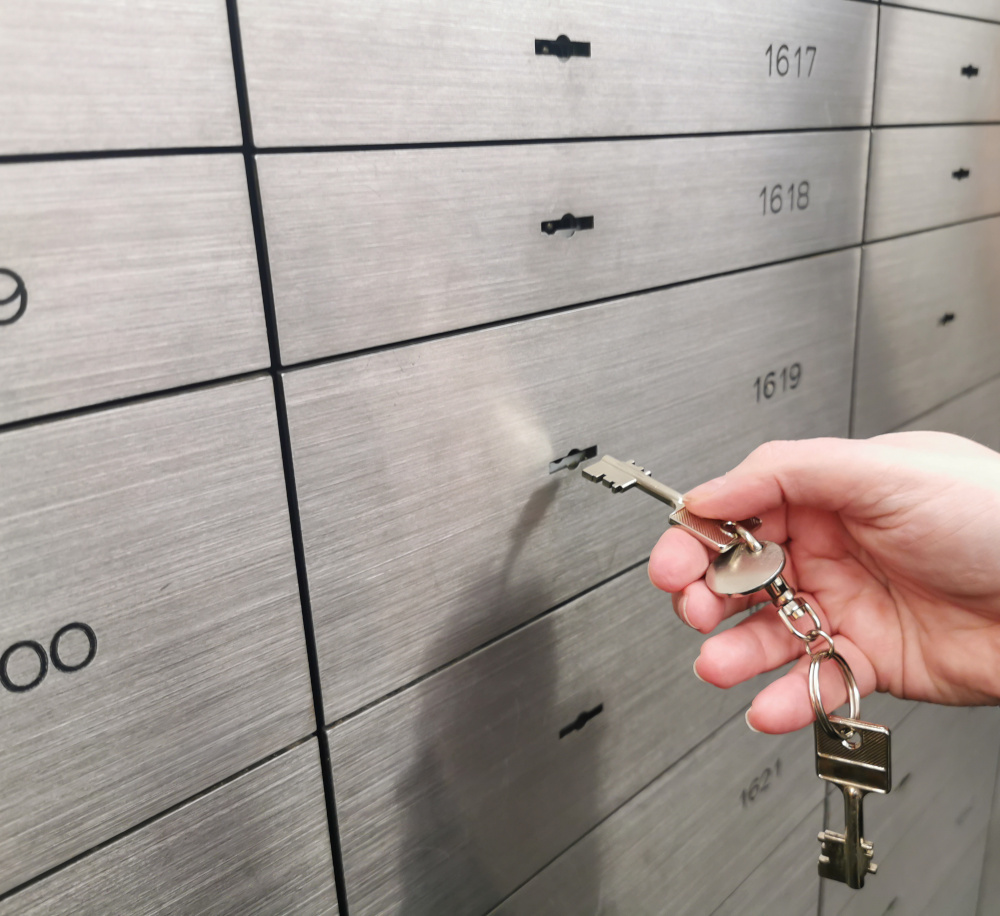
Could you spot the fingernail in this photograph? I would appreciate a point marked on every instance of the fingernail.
(706, 488)
(682, 609)
(694, 668)
(746, 716)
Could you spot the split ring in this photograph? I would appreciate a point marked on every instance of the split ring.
(853, 695)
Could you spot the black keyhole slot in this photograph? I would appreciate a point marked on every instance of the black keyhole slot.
(902, 782)
(946, 318)
(573, 459)
(961, 174)
(562, 48)
(13, 296)
(969, 71)
(580, 721)
(568, 225)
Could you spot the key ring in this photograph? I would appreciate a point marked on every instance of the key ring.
(853, 694)
(829, 651)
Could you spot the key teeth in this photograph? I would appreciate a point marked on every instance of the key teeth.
(612, 485)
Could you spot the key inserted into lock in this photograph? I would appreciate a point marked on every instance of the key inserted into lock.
(567, 225)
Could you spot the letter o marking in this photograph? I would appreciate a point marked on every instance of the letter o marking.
(43, 666)
(91, 650)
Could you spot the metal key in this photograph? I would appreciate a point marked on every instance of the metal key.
(857, 770)
(623, 475)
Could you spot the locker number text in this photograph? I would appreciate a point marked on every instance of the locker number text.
(785, 61)
(788, 198)
(759, 784)
(778, 381)
(24, 664)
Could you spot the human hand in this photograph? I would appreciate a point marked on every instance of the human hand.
(895, 542)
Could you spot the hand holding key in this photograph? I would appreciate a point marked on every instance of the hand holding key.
(894, 540)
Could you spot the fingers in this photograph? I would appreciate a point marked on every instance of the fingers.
(699, 607)
(762, 643)
(784, 705)
(829, 474)
(677, 560)
(755, 645)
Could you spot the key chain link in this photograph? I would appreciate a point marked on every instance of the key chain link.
(790, 608)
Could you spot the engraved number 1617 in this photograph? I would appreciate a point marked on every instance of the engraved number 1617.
(785, 62)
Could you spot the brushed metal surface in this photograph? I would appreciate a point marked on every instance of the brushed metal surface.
(391, 71)
(141, 274)
(685, 843)
(921, 56)
(989, 889)
(975, 415)
(981, 9)
(430, 520)
(785, 883)
(920, 886)
(885, 709)
(462, 241)
(944, 767)
(482, 760)
(911, 355)
(916, 179)
(105, 74)
(162, 526)
(254, 846)
(958, 893)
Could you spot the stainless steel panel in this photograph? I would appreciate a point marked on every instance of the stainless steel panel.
(958, 892)
(786, 882)
(139, 274)
(944, 764)
(688, 838)
(258, 845)
(975, 415)
(981, 9)
(322, 73)
(163, 528)
(921, 59)
(463, 240)
(885, 709)
(100, 74)
(484, 760)
(430, 519)
(916, 885)
(923, 177)
(989, 890)
(929, 325)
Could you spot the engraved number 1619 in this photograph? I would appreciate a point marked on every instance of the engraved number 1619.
(773, 383)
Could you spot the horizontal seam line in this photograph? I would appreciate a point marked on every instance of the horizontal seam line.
(97, 847)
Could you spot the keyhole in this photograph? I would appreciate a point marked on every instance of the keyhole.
(573, 459)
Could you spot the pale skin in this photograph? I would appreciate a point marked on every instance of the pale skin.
(895, 541)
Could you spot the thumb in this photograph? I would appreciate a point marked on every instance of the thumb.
(830, 474)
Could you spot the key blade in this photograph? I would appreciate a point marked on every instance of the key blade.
(867, 767)
(618, 475)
